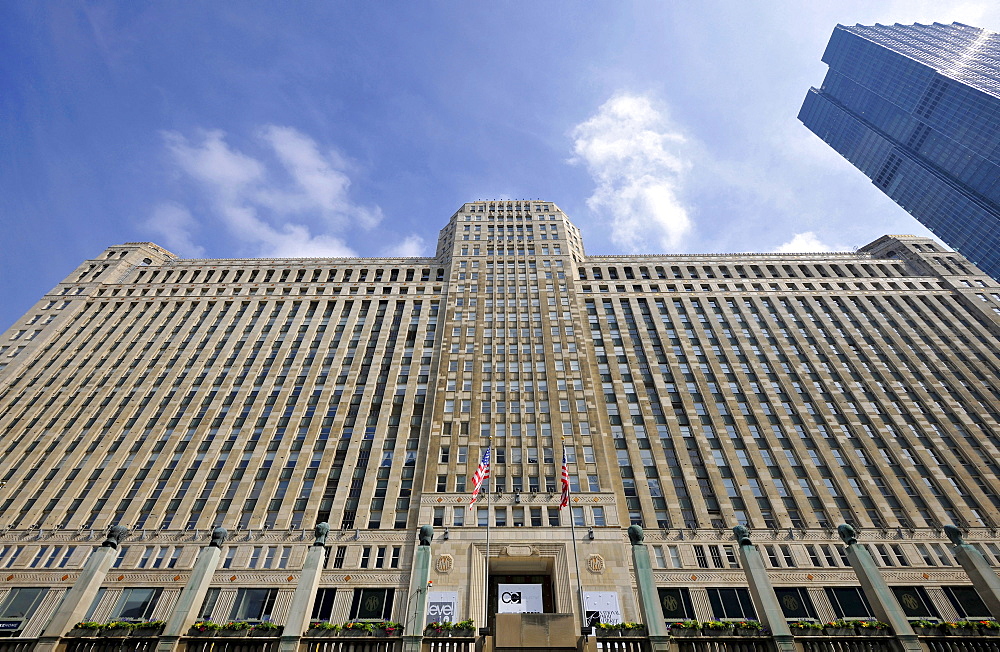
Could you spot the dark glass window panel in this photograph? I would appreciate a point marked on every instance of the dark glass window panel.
(20, 603)
(795, 603)
(676, 604)
(136, 604)
(208, 607)
(323, 606)
(849, 602)
(967, 602)
(731, 603)
(253, 604)
(914, 601)
(372, 604)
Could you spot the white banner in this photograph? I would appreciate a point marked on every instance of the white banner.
(519, 598)
(602, 607)
(442, 606)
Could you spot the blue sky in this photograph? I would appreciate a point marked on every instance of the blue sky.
(232, 129)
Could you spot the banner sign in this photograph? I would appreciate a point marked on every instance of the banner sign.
(602, 607)
(442, 606)
(519, 598)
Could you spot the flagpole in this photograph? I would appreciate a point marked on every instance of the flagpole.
(576, 555)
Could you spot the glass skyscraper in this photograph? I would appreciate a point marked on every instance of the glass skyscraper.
(917, 109)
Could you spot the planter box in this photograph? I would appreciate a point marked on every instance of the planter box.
(684, 633)
(958, 631)
(234, 632)
(608, 633)
(147, 632)
(839, 631)
(115, 633)
(868, 631)
(726, 631)
(356, 633)
(807, 632)
(463, 633)
(318, 633)
(739, 631)
(81, 632)
(926, 631)
(202, 634)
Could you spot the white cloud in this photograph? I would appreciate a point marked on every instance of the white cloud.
(802, 243)
(292, 203)
(631, 151)
(411, 247)
(174, 224)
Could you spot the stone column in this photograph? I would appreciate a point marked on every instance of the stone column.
(74, 605)
(416, 613)
(649, 599)
(881, 599)
(762, 592)
(193, 594)
(978, 569)
(303, 598)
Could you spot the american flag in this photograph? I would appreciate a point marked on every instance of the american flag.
(480, 475)
(565, 484)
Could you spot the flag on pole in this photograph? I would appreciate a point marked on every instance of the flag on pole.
(481, 474)
(565, 484)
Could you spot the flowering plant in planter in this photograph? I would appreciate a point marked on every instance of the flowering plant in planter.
(387, 627)
(356, 627)
(633, 626)
(804, 624)
(987, 624)
(865, 625)
(437, 628)
(88, 624)
(748, 624)
(686, 624)
(609, 627)
(236, 626)
(716, 624)
(206, 626)
(320, 624)
(266, 626)
(464, 627)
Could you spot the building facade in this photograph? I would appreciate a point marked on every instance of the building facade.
(917, 109)
(686, 393)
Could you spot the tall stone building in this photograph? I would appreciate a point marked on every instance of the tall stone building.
(687, 394)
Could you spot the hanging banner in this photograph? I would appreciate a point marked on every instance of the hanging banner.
(442, 606)
(519, 598)
(602, 607)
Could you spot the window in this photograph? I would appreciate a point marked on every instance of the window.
(132, 604)
(731, 603)
(20, 603)
(966, 601)
(795, 602)
(323, 606)
(914, 601)
(372, 604)
(849, 602)
(253, 604)
(676, 604)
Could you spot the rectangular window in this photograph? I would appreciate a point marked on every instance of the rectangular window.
(676, 604)
(372, 604)
(253, 604)
(339, 556)
(21, 603)
(849, 602)
(731, 603)
(323, 606)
